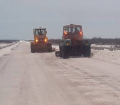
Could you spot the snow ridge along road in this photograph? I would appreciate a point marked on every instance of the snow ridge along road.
(8, 48)
(4, 45)
(42, 79)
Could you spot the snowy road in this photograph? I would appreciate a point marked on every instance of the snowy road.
(43, 79)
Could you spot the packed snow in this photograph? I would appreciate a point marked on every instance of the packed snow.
(43, 79)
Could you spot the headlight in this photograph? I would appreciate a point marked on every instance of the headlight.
(36, 40)
(45, 40)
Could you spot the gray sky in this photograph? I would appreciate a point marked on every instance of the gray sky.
(99, 18)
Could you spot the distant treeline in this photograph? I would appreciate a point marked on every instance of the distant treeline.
(104, 41)
(109, 41)
(8, 41)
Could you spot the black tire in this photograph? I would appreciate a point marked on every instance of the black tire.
(89, 52)
(86, 51)
(32, 50)
(49, 49)
(60, 52)
(65, 52)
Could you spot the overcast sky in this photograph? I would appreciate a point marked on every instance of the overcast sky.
(99, 18)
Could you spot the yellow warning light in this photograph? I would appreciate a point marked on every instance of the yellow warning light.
(67, 44)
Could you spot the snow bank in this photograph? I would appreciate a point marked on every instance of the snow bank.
(107, 55)
(3, 44)
(105, 46)
(7, 50)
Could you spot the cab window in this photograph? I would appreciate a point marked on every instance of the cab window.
(72, 29)
(40, 32)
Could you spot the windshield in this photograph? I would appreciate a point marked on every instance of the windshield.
(72, 29)
(40, 32)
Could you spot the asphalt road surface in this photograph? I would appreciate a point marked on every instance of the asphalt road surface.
(42, 79)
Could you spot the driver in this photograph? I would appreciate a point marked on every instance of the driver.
(76, 30)
(40, 32)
